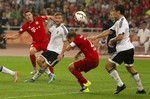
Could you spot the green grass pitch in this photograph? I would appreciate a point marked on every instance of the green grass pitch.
(65, 86)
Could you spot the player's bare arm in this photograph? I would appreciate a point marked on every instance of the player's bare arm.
(15, 36)
(78, 55)
(101, 35)
(60, 56)
(116, 39)
(50, 17)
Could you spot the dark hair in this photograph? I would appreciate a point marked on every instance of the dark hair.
(71, 34)
(144, 22)
(120, 8)
(27, 11)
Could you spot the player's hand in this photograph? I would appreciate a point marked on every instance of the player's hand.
(59, 57)
(110, 43)
(77, 56)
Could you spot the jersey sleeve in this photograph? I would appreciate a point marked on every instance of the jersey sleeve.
(42, 18)
(122, 29)
(64, 33)
(23, 29)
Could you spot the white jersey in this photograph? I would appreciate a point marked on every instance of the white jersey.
(122, 27)
(143, 34)
(58, 36)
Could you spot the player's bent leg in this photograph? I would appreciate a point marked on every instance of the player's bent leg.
(83, 82)
(111, 68)
(137, 79)
(38, 74)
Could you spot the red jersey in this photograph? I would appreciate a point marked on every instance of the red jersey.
(87, 47)
(36, 29)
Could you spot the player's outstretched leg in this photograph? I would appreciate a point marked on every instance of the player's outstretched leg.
(33, 61)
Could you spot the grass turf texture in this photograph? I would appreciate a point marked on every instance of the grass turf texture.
(66, 86)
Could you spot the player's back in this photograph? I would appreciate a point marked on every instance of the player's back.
(87, 47)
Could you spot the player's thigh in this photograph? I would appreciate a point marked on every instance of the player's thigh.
(129, 57)
(86, 65)
(33, 50)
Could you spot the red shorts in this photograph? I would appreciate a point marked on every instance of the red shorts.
(41, 45)
(86, 64)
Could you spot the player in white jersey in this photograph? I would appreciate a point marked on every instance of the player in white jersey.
(55, 48)
(124, 53)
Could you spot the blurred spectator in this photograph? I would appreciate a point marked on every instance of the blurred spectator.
(106, 26)
(143, 37)
(2, 40)
(14, 9)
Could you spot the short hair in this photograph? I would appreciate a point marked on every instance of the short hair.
(144, 22)
(71, 34)
(27, 11)
(58, 13)
(120, 8)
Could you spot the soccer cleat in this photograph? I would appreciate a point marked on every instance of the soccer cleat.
(119, 89)
(29, 81)
(51, 77)
(33, 72)
(141, 92)
(16, 77)
(87, 84)
(85, 89)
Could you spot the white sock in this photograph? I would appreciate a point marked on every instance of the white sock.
(37, 75)
(138, 81)
(115, 76)
(7, 71)
(47, 71)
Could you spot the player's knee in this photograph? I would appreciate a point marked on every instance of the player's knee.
(71, 67)
(109, 66)
(32, 50)
(40, 60)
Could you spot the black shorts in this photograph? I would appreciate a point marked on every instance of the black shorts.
(124, 56)
(50, 58)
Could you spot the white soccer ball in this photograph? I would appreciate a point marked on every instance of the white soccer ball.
(80, 16)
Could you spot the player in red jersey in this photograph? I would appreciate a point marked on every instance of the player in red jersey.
(90, 61)
(35, 27)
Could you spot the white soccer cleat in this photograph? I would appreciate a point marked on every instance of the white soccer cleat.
(33, 72)
(51, 77)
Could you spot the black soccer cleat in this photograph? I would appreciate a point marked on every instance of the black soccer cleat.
(141, 92)
(119, 89)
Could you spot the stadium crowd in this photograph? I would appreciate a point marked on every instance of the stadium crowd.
(12, 11)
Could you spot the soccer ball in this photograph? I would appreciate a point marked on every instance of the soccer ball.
(80, 16)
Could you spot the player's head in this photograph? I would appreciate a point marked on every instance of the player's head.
(71, 36)
(58, 18)
(112, 15)
(29, 16)
(143, 24)
(120, 10)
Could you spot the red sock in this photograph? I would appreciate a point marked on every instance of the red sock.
(33, 60)
(51, 69)
(79, 76)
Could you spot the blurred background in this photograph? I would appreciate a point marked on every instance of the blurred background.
(97, 11)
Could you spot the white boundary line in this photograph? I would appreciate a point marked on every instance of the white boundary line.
(65, 93)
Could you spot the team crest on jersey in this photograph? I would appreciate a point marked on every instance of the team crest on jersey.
(36, 22)
(57, 32)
